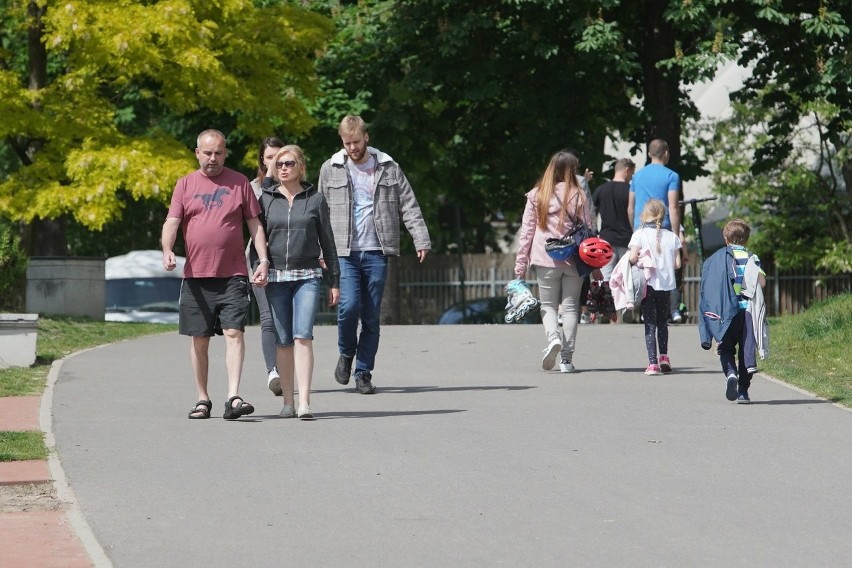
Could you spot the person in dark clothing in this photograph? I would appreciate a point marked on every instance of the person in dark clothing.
(610, 200)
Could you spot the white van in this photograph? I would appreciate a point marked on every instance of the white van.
(138, 288)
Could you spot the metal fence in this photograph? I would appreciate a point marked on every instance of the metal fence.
(419, 293)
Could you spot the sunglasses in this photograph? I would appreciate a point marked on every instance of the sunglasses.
(285, 163)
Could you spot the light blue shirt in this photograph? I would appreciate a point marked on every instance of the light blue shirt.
(654, 181)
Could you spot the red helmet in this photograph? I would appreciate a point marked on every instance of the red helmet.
(596, 252)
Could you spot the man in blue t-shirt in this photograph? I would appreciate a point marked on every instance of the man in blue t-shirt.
(655, 181)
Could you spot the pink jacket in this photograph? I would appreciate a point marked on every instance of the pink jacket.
(531, 239)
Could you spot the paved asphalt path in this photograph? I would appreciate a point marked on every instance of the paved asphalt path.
(468, 455)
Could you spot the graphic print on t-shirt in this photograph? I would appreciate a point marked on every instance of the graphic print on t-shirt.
(213, 199)
(363, 190)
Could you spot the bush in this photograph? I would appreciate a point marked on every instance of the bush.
(13, 269)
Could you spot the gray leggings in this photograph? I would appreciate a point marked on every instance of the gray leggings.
(267, 328)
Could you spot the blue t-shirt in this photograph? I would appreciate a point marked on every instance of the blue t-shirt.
(654, 181)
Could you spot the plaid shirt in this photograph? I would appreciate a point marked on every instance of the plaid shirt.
(294, 275)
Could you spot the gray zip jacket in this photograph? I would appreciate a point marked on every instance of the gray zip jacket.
(394, 199)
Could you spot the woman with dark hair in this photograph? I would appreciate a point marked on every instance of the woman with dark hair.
(554, 208)
(265, 157)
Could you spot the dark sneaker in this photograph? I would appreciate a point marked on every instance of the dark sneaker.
(743, 398)
(363, 383)
(343, 369)
(731, 390)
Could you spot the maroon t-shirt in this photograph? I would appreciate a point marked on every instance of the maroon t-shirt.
(212, 212)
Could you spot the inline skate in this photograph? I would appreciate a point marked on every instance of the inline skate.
(520, 301)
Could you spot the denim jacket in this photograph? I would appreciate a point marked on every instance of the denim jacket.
(718, 303)
(394, 200)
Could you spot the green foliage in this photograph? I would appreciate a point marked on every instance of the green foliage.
(800, 216)
(810, 350)
(128, 84)
(471, 98)
(13, 268)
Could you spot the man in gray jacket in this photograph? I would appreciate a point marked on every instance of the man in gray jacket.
(367, 194)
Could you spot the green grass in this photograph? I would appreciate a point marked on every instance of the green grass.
(811, 349)
(20, 446)
(58, 337)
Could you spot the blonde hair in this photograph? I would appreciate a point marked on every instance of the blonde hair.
(654, 212)
(352, 124)
(297, 153)
(561, 169)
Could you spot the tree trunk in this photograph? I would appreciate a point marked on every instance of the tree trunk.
(43, 237)
(661, 86)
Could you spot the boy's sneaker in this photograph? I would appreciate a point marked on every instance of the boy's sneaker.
(665, 364)
(565, 366)
(363, 383)
(550, 353)
(731, 388)
(743, 398)
(273, 381)
(677, 317)
(343, 369)
(653, 370)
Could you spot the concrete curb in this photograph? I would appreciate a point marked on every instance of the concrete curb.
(63, 489)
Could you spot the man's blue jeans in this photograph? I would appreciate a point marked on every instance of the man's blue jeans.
(362, 284)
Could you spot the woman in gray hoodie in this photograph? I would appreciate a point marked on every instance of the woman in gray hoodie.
(301, 244)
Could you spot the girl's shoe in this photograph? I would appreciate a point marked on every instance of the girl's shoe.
(550, 353)
(653, 370)
(665, 364)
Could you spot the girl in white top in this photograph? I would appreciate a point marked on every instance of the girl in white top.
(655, 249)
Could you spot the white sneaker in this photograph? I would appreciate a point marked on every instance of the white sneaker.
(305, 413)
(566, 366)
(273, 381)
(550, 353)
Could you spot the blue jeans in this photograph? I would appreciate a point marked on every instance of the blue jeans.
(362, 284)
(294, 308)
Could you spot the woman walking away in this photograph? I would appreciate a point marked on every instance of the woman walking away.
(656, 251)
(555, 207)
(296, 218)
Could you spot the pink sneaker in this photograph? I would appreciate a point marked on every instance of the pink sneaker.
(665, 364)
(653, 370)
